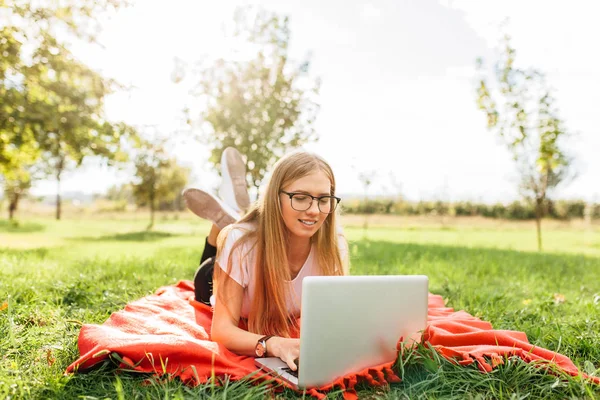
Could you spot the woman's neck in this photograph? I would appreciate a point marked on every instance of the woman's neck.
(298, 251)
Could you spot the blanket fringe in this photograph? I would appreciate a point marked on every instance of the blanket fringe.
(169, 333)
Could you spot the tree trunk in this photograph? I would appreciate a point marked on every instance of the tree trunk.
(59, 168)
(538, 221)
(58, 202)
(151, 216)
(12, 206)
(151, 210)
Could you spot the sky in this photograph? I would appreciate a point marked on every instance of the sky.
(398, 87)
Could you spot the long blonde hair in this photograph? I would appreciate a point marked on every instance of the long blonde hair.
(269, 313)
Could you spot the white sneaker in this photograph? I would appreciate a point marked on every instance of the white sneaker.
(234, 188)
(210, 207)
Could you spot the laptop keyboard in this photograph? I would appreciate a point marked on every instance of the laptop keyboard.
(290, 371)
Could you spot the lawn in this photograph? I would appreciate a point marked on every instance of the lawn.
(56, 275)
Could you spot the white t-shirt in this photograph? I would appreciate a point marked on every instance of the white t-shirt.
(244, 263)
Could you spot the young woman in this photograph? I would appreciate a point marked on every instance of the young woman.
(289, 233)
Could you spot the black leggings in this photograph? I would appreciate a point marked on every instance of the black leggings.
(203, 278)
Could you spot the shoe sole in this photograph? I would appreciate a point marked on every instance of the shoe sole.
(237, 173)
(206, 206)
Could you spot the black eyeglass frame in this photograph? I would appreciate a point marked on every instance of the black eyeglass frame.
(313, 198)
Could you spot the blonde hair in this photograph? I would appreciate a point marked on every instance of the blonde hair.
(269, 313)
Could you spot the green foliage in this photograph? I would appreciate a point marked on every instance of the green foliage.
(159, 179)
(522, 112)
(569, 209)
(13, 134)
(18, 149)
(122, 193)
(263, 106)
(52, 104)
(75, 17)
(14, 188)
(517, 210)
(67, 98)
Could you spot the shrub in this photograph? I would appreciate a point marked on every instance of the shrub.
(516, 210)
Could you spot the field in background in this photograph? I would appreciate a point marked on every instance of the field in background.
(55, 275)
(184, 228)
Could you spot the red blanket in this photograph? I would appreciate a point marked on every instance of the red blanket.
(169, 333)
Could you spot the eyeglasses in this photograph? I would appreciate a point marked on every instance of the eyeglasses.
(304, 201)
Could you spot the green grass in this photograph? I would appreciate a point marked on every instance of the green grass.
(56, 275)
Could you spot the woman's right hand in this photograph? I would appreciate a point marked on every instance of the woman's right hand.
(286, 349)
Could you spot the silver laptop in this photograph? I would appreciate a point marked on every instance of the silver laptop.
(350, 323)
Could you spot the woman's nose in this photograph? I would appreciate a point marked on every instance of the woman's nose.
(314, 208)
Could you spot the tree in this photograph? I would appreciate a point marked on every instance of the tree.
(13, 133)
(159, 179)
(263, 106)
(18, 176)
(18, 149)
(52, 104)
(67, 99)
(122, 193)
(15, 187)
(77, 18)
(520, 109)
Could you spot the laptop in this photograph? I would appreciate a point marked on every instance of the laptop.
(350, 323)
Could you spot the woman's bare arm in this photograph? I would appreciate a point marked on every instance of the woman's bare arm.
(225, 328)
(226, 318)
